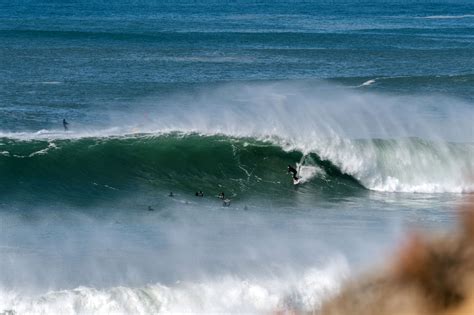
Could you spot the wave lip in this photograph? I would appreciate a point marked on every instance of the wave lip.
(411, 165)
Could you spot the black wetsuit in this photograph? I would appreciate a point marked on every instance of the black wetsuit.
(293, 171)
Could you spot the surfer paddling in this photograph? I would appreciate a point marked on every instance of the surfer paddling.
(225, 202)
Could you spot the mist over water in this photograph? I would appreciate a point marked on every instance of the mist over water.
(372, 103)
(195, 257)
(396, 143)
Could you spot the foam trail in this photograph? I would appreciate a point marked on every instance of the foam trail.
(367, 83)
(51, 146)
(306, 173)
(307, 169)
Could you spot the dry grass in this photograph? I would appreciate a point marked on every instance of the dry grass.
(428, 276)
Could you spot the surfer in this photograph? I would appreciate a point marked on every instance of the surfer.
(65, 124)
(150, 208)
(293, 171)
(171, 194)
(225, 202)
(199, 193)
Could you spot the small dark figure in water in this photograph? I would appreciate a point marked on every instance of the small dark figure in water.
(293, 171)
(171, 194)
(199, 193)
(226, 203)
(221, 196)
(65, 124)
(150, 208)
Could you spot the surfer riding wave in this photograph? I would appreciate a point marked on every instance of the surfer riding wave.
(294, 172)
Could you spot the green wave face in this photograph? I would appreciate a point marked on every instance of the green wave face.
(91, 169)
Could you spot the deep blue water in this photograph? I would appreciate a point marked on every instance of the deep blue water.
(70, 59)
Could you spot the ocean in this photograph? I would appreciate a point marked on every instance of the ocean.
(372, 102)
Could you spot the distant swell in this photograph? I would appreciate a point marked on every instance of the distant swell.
(464, 16)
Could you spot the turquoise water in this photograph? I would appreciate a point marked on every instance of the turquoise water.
(372, 101)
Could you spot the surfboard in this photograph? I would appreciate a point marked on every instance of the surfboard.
(296, 181)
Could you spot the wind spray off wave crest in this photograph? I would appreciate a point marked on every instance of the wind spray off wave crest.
(339, 125)
(411, 143)
(406, 143)
(243, 166)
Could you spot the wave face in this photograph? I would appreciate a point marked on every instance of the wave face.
(74, 168)
(171, 162)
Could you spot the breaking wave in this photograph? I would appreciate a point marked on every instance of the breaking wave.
(241, 137)
(241, 165)
(228, 294)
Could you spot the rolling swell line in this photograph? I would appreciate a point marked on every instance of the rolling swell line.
(166, 162)
(240, 166)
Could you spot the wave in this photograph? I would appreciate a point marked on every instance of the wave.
(463, 16)
(228, 294)
(417, 82)
(185, 162)
(241, 137)
(168, 162)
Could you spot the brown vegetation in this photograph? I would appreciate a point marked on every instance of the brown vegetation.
(429, 276)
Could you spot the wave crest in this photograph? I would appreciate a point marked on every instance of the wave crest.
(180, 162)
